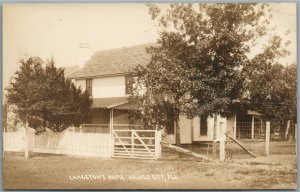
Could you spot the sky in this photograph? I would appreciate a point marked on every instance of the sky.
(55, 30)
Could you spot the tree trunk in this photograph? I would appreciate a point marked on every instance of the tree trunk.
(26, 141)
(214, 144)
(177, 132)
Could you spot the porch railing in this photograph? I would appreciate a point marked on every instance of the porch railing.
(104, 128)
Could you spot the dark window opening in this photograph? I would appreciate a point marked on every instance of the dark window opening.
(170, 123)
(203, 126)
(128, 84)
(89, 86)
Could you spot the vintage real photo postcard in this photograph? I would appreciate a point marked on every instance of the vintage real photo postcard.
(149, 96)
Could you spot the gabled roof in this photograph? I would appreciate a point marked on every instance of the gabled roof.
(114, 61)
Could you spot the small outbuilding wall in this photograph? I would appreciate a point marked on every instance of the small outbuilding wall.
(190, 129)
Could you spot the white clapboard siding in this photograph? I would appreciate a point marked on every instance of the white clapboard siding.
(13, 141)
(109, 87)
(84, 144)
(185, 130)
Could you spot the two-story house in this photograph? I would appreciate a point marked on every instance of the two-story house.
(105, 76)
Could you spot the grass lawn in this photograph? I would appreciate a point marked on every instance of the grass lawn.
(47, 171)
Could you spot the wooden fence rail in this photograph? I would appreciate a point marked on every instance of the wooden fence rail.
(134, 144)
(86, 144)
(70, 143)
(13, 141)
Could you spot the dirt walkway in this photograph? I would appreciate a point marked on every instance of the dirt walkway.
(64, 172)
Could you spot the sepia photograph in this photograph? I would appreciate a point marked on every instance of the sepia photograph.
(149, 96)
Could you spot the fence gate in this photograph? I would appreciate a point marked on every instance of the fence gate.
(139, 144)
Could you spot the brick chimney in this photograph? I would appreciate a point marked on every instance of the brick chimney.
(84, 54)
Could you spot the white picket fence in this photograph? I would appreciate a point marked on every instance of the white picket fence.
(13, 141)
(83, 144)
(101, 144)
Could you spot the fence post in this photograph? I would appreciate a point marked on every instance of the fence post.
(287, 129)
(157, 144)
(252, 128)
(267, 138)
(295, 133)
(33, 138)
(296, 138)
(261, 126)
(132, 142)
(4, 138)
(234, 127)
(222, 142)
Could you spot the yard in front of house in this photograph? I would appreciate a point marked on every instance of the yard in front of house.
(48, 171)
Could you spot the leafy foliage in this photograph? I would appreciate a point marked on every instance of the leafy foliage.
(45, 99)
(200, 63)
(272, 91)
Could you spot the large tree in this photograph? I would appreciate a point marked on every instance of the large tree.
(272, 92)
(45, 99)
(197, 66)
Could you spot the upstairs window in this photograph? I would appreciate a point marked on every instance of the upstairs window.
(89, 86)
(128, 84)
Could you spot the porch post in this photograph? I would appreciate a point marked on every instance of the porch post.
(112, 118)
(252, 128)
(110, 128)
(111, 125)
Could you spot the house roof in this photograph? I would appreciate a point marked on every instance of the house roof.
(114, 61)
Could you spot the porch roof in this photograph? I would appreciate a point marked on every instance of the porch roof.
(126, 106)
(112, 103)
(255, 113)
